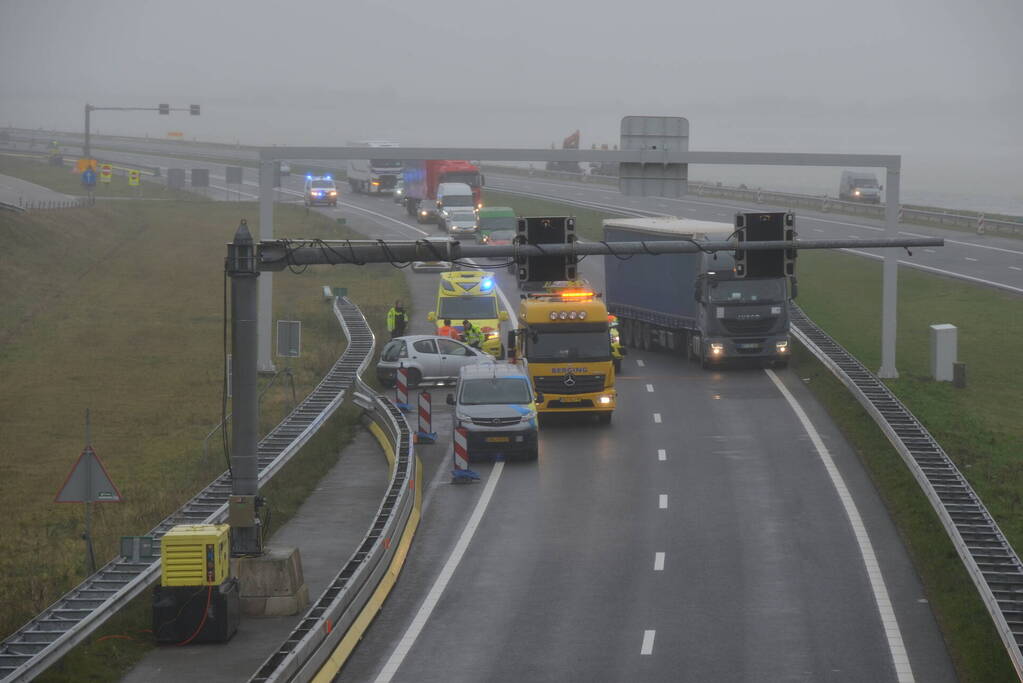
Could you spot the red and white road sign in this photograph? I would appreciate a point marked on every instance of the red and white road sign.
(425, 408)
(106, 172)
(461, 449)
(401, 386)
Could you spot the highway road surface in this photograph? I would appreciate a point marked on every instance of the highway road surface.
(720, 529)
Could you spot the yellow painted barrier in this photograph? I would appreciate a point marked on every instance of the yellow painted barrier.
(344, 649)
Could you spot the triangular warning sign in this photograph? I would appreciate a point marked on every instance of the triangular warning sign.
(88, 482)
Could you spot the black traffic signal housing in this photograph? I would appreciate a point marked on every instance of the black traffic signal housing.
(765, 227)
(164, 108)
(541, 230)
(193, 109)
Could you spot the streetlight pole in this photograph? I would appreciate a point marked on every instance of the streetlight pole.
(192, 109)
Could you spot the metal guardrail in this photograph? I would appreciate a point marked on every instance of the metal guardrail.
(35, 646)
(989, 559)
(5, 206)
(304, 651)
(907, 213)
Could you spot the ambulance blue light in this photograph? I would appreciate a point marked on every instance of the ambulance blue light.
(328, 177)
(309, 177)
(486, 285)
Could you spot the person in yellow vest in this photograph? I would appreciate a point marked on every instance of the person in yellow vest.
(471, 334)
(397, 319)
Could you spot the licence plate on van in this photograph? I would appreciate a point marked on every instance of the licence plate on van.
(498, 439)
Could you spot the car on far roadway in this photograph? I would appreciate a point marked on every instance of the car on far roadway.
(494, 403)
(440, 244)
(427, 357)
(285, 168)
(399, 192)
(459, 222)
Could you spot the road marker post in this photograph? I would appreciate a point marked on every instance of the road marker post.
(425, 433)
(461, 474)
(401, 389)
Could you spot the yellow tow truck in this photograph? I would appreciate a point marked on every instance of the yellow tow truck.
(471, 295)
(564, 340)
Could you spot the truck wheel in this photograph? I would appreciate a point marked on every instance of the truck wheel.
(628, 333)
(618, 365)
(644, 337)
(604, 418)
(781, 364)
(351, 184)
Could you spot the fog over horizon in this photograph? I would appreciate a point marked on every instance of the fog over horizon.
(937, 81)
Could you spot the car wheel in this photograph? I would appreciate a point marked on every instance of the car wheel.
(532, 454)
(414, 377)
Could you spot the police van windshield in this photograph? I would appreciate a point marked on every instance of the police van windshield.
(747, 291)
(581, 342)
(323, 183)
(478, 392)
(468, 308)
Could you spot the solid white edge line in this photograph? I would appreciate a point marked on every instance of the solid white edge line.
(390, 668)
(662, 454)
(647, 648)
(889, 622)
(662, 501)
(658, 562)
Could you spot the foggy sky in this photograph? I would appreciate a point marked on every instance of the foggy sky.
(938, 81)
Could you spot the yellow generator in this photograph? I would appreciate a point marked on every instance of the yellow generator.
(195, 555)
(197, 599)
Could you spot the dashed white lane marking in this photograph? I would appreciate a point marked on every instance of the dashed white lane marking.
(893, 633)
(437, 589)
(658, 562)
(817, 230)
(930, 251)
(650, 388)
(647, 648)
(657, 417)
(662, 501)
(967, 244)
(932, 269)
(662, 454)
(640, 363)
(971, 259)
(855, 237)
(1015, 268)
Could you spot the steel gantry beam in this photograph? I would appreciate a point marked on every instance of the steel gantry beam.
(891, 163)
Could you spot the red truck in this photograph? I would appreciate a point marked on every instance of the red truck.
(423, 177)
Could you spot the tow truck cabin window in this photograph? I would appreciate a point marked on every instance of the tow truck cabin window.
(552, 343)
(467, 308)
(385, 163)
(747, 291)
(503, 390)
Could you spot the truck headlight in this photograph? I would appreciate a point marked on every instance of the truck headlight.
(717, 349)
(605, 400)
(782, 346)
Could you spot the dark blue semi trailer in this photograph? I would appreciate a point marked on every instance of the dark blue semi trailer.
(694, 303)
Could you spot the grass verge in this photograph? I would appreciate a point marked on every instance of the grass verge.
(978, 426)
(64, 179)
(118, 308)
